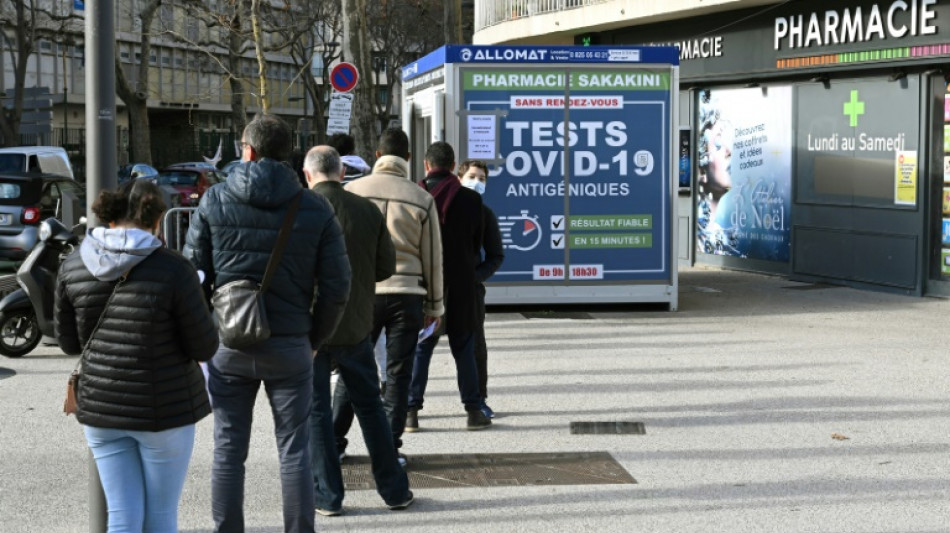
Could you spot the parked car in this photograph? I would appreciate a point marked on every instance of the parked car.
(137, 170)
(193, 164)
(26, 199)
(230, 165)
(191, 181)
(44, 159)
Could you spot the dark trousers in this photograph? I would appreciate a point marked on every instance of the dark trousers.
(283, 365)
(358, 380)
(327, 476)
(400, 315)
(481, 348)
(463, 351)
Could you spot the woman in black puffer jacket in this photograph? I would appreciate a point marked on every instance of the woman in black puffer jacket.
(141, 390)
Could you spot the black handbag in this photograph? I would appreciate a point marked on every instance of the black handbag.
(239, 308)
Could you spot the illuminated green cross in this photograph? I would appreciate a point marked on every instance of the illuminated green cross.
(854, 108)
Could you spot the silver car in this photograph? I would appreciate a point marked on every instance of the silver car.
(26, 199)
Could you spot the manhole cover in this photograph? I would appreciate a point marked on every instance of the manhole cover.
(6, 372)
(496, 470)
(575, 315)
(608, 428)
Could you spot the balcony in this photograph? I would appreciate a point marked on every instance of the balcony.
(491, 12)
(558, 21)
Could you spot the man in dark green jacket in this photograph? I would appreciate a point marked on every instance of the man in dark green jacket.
(372, 258)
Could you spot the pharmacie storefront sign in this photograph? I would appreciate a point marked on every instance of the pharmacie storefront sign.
(810, 34)
(581, 184)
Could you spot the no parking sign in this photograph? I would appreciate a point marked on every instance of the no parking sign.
(344, 77)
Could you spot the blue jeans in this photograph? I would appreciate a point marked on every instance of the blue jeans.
(142, 474)
(400, 316)
(463, 350)
(285, 366)
(359, 381)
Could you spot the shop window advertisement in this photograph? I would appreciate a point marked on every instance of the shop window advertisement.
(744, 148)
(945, 203)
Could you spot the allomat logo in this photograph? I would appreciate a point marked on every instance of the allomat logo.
(466, 54)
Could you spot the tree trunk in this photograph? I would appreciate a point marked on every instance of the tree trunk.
(358, 48)
(452, 21)
(262, 97)
(238, 111)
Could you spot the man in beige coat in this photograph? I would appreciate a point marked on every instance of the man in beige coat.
(411, 299)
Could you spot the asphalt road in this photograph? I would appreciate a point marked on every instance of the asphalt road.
(768, 405)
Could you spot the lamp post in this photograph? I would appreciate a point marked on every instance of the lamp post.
(303, 125)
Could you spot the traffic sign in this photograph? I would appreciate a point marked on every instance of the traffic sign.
(344, 76)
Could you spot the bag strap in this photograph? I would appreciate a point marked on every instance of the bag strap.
(101, 317)
(281, 242)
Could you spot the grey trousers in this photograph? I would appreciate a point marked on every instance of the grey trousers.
(285, 367)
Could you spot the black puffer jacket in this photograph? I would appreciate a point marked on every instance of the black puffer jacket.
(140, 372)
(234, 230)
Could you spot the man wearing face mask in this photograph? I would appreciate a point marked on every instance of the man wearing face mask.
(474, 175)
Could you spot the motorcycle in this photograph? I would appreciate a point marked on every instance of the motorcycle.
(26, 314)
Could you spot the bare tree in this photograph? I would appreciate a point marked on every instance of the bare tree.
(28, 20)
(134, 93)
(358, 49)
(320, 41)
(399, 41)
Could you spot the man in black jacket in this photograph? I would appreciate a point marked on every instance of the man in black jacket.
(474, 175)
(372, 258)
(460, 219)
(231, 237)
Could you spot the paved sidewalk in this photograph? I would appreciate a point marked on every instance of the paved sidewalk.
(741, 393)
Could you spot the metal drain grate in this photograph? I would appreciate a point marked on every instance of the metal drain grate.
(497, 470)
(6, 372)
(574, 315)
(608, 428)
(811, 287)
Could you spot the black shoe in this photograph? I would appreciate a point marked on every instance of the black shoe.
(477, 420)
(404, 505)
(412, 421)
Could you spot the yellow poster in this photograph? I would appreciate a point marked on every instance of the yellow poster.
(946, 201)
(905, 178)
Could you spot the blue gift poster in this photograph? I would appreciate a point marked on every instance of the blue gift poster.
(744, 147)
(581, 182)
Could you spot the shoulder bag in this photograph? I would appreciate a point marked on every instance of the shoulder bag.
(239, 305)
(71, 404)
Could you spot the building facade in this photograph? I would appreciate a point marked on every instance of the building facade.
(816, 134)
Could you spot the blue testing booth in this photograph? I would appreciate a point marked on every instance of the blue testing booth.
(582, 147)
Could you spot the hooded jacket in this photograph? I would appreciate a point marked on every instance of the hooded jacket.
(140, 371)
(232, 234)
(413, 223)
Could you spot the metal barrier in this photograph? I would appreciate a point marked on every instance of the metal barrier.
(175, 226)
(492, 12)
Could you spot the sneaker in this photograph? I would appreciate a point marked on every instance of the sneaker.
(403, 460)
(404, 505)
(329, 512)
(477, 420)
(487, 410)
(412, 421)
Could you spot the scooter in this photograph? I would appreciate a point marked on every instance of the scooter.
(26, 314)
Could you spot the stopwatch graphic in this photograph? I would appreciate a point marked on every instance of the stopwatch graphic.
(520, 232)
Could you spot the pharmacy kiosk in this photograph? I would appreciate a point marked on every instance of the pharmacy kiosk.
(581, 148)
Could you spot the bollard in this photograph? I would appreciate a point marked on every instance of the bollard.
(98, 513)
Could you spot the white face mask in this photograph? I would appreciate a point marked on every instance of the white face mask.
(475, 185)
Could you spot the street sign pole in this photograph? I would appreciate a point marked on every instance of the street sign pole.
(101, 164)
